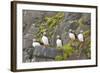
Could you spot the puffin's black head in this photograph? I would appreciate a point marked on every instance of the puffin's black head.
(58, 37)
(72, 31)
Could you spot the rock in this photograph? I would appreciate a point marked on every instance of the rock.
(40, 54)
(49, 53)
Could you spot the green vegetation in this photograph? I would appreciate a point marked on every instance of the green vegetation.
(67, 51)
(49, 25)
(59, 58)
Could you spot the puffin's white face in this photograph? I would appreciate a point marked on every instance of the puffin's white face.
(44, 33)
(58, 36)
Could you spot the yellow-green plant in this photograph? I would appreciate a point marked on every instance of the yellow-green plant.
(68, 49)
(67, 52)
(49, 25)
(59, 58)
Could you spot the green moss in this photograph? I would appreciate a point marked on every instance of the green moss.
(68, 49)
(86, 33)
(58, 58)
(65, 56)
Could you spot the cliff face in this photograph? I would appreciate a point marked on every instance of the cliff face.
(55, 23)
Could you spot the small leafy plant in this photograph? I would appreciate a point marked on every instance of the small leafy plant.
(68, 50)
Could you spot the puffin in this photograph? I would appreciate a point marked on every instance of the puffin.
(72, 35)
(58, 41)
(80, 36)
(35, 43)
(45, 40)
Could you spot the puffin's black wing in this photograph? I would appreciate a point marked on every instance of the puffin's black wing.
(75, 35)
(41, 43)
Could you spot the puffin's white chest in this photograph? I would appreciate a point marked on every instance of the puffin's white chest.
(59, 43)
(80, 37)
(72, 36)
(45, 40)
(34, 44)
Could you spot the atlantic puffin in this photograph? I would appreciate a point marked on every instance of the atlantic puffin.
(80, 36)
(35, 43)
(72, 35)
(45, 40)
(58, 41)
